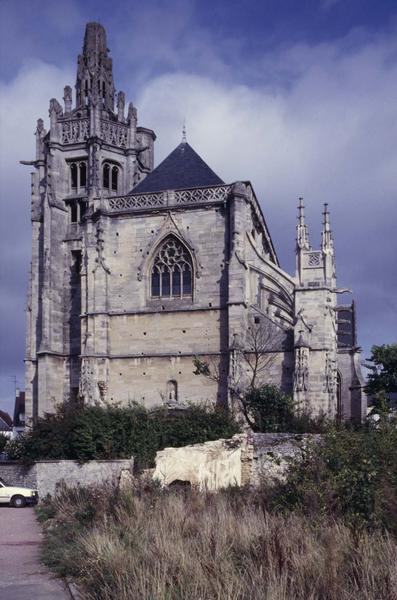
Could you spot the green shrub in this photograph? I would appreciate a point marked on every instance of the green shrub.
(15, 448)
(86, 433)
(268, 409)
(3, 441)
(350, 474)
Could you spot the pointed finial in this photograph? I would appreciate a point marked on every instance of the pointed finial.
(326, 235)
(302, 232)
(326, 216)
(184, 132)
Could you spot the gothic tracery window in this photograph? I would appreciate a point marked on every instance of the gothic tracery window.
(171, 275)
(110, 177)
(78, 176)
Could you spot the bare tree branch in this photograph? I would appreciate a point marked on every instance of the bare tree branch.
(251, 359)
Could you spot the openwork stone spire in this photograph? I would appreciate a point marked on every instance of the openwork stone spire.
(327, 244)
(94, 70)
(302, 234)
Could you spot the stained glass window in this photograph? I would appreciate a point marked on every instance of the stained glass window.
(172, 270)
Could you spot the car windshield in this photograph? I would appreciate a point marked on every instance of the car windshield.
(2, 482)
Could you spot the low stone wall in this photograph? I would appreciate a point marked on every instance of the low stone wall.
(245, 459)
(211, 465)
(46, 476)
(272, 454)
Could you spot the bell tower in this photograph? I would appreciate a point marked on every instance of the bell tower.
(91, 150)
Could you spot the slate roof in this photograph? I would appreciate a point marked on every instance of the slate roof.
(5, 421)
(183, 168)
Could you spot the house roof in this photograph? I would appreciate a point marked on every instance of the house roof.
(183, 168)
(5, 421)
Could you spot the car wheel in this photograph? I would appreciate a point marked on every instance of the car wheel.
(18, 501)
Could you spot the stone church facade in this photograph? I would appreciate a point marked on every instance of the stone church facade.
(135, 271)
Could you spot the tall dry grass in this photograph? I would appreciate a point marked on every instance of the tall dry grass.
(153, 545)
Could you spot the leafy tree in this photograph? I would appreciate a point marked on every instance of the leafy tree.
(268, 409)
(382, 379)
(251, 360)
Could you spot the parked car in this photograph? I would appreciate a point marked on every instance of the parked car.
(17, 496)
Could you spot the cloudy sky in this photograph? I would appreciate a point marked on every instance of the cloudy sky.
(298, 96)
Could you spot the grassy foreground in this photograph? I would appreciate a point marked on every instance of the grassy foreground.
(149, 544)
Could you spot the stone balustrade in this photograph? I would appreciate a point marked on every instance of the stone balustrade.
(172, 198)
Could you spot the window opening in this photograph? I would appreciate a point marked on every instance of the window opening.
(83, 174)
(115, 176)
(73, 212)
(83, 208)
(73, 174)
(106, 176)
(78, 175)
(171, 274)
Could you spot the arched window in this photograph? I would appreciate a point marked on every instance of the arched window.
(110, 177)
(106, 176)
(115, 177)
(73, 175)
(78, 176)
(171, 275)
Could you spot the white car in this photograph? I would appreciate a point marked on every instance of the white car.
(17, 496)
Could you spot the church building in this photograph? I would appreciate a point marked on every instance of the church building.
(137, 271)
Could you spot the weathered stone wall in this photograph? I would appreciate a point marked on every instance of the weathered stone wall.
(245, 459)
(46, 476)
(209, 466)
(15, 473)
(273, 452)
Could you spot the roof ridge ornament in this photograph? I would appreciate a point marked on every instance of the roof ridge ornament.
(184, 139)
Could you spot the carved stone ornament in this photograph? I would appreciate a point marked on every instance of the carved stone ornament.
(94, 167)
(100, 244)
(301, 372)
(75, 130)
(330, 375)
(114, 133)
(87, 388)
(103, 388)
(300, 320)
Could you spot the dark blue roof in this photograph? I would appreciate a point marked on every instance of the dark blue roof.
(183, 168)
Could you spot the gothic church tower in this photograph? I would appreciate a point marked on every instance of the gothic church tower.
(92, 149)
